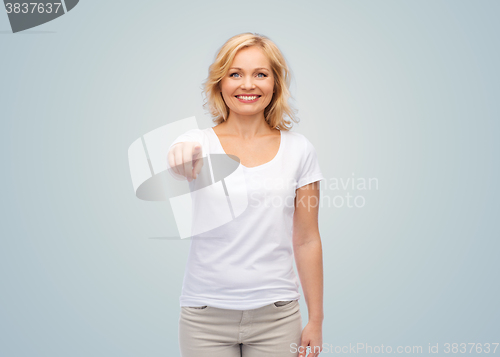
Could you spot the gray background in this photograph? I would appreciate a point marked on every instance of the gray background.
(402, 91)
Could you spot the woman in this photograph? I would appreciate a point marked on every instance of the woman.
(240, 293)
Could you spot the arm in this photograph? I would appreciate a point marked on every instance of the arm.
(309, 260)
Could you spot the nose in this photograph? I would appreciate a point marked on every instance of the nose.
(248, 83)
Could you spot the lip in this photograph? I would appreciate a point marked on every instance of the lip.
(249, 95)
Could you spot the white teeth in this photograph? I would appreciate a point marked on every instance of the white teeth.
(247, 98)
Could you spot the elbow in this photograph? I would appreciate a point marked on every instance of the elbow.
(311, 237)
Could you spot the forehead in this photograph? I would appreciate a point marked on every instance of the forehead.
(251, 57)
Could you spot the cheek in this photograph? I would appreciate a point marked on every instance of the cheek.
(270, 87)
(228, 89)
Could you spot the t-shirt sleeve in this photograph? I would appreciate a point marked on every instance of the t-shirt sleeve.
(310, 171)
(190, 135)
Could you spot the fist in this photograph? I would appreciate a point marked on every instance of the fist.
(186, 159)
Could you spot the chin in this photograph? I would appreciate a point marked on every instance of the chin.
(247, 113)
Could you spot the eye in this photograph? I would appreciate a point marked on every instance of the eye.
(264, 75)
(233, 74)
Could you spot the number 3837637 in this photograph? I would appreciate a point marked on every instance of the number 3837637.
(33, 7)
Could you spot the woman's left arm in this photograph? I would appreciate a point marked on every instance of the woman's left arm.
(309, 260)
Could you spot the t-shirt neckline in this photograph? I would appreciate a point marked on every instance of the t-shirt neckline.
(254, 168)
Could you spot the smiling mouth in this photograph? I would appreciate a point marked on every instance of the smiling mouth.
(247, 97)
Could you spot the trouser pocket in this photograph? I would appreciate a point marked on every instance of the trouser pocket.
(282, 303)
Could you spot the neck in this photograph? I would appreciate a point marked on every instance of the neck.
(246, 126)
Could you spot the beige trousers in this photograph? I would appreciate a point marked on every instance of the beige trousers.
(272, 330)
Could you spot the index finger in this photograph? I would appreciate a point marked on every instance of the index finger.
(187, 157)
(198, 160)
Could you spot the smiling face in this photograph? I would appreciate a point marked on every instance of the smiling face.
(248, 86)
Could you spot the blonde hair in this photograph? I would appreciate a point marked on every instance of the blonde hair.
(274, 113)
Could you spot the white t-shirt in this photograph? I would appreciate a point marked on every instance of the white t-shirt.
(250, 264)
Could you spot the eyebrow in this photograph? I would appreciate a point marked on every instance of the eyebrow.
(255, 68)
